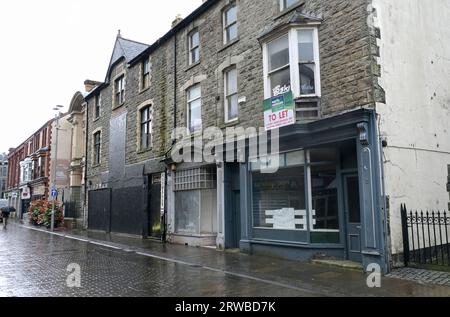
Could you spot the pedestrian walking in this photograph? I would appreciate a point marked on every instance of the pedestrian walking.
(5, 215)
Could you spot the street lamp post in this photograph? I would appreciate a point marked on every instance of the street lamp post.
(54, 197)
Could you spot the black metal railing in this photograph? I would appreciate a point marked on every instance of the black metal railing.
(426, 238)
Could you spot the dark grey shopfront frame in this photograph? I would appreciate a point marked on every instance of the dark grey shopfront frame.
(359, 126)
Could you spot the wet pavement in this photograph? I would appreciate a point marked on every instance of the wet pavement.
(34, 263)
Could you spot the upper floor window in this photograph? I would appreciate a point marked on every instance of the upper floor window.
(230, 30)
(119, 89)
(231, 95)
(97, 108)
(146, 69)
(194, 47)
(97, 147)
(146, 127)
(284, 4)
(194, 108)
(292, 64)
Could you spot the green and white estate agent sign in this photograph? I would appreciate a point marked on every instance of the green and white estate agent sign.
(279, 111)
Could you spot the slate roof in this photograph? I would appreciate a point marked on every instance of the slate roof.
(297, 17)
(127, 48)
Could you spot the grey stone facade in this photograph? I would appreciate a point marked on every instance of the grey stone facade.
(348, 72)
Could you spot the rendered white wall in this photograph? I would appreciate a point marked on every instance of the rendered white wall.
(415, 61)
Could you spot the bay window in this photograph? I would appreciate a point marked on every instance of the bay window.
(292, 64)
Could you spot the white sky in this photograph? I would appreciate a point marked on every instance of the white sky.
(49, 47)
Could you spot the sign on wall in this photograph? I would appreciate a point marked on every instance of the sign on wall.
(279, 111)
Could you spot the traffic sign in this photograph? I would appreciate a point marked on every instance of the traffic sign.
(54, 193)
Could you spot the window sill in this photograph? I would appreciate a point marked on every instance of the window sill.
(96, 165)
(228, 45)
(141, 151)
(141, 91)
(96, 119)
(231, 123)
(289, 9)
(192, 66)
(118, 106)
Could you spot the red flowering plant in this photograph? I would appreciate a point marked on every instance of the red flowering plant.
(40, 213)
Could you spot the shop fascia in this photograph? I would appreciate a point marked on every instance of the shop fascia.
(213, 145)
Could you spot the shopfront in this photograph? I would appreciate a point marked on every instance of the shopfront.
(326, 197)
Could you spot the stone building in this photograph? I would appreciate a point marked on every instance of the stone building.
(328, 74)
(75, 203)
(3, 174)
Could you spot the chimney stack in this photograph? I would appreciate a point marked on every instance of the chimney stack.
(90, 85)
(177, 20)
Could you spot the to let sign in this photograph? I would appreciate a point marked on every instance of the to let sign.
(279, 111)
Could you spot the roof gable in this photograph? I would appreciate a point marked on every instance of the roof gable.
(124, 48)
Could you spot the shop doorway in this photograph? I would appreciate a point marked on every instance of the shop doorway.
(352, 209)
(154, 207)
(232, 206)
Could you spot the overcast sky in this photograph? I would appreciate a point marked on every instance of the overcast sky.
(49, 47)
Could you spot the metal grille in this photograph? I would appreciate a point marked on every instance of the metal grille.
(197, 178)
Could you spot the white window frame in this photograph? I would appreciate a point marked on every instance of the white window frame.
(145, 85)
(148, 122)
(192, 48)
(98, 102)
(227, 26)
(226, 95)
(283, 7)
(189, 102)
(294, 62)
(119, 90)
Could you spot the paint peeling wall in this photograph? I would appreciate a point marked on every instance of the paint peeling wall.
(415, 120)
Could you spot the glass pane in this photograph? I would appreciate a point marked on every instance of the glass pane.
(232, 81)
(323, 155)
(295, 158)
(279, 80)
(278, 53)
(195, 92)
(353, 202)
(306, 45)
(231, 15)
(233, 107)
(208, 211)
(195, 116)
(232, 33)
(195, 39)
(195, 55)
(279, 200)
(324, 197)
(144, 138)
(307, 79)
(288, 3)
(187, 213)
